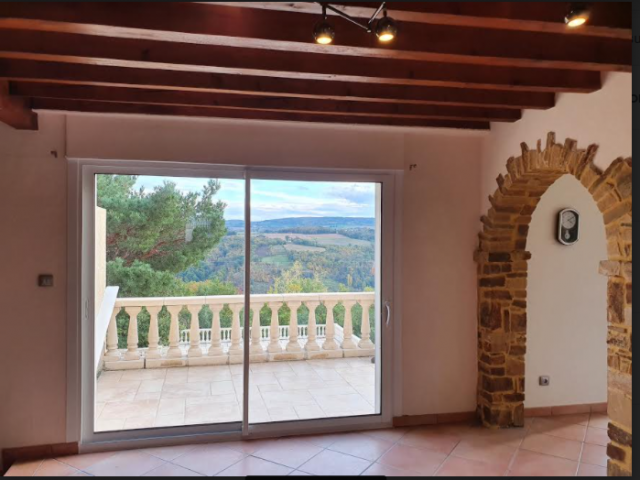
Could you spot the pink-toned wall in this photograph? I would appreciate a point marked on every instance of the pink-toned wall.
(436, 268)
(33, 239)
(567, 335)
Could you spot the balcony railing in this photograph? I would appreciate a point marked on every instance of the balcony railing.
(219, 346)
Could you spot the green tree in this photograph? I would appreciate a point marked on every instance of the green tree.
(166, 229)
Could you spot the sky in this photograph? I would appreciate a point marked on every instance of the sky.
(272, 199)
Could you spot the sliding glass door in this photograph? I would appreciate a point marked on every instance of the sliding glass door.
(234, 301)
(315, 298)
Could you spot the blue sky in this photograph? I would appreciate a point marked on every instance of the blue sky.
(272, 199)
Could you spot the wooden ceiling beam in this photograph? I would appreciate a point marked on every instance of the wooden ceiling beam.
(223, 25)
(74, 74)
(124, 52)
(262, 115)
(16, 112)
(253, 102)
(608, 19)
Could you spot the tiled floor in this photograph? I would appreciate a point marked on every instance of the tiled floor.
(556, 446)
(279, 391)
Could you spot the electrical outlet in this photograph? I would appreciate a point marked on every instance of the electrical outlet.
(545, 381)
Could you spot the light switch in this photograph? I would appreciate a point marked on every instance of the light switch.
(45, 281)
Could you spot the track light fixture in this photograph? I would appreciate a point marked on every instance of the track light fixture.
(324, 33)
(386, 28)
(578, 15)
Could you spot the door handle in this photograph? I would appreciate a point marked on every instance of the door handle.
(387, 305)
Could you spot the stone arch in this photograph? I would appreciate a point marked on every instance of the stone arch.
(502, 260)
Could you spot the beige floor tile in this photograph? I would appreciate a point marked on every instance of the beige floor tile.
(186, 390)
(591, 471)
(255, 467)
(125, 464)
(209, 460)
(551, 426)
(109, 425)
(594, 455)
(463, 467)
(334, 463)
(307, 412)
(82, 462)
(431, 438)
(597, 436)
(418, 460)
(170, 470)
(599, 421)
(125, 410)
(388, 434)
(224, 387)
(24, 468)
(532, 464)
(549, 445)
(172, 406)
(362, 446)
(166, 421)
(379, 470)
(54, 468)
(493, 453)
(151, 386)
(168, 454)
(139, 423)
(248, 447)
(288, 399)
(290, 453)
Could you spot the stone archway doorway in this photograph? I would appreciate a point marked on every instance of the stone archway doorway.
(502, 284)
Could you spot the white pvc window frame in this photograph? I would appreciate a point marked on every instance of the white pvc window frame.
(81, 375)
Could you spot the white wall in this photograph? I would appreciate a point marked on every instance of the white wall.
(567, 328)
(558, 304)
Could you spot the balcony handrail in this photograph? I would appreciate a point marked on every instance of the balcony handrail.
(217, 345)
(239, 299)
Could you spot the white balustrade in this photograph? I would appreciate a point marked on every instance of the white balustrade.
(113, 354)
(154, 333)
(132, 352)
(274, 332)
(312, 330)
(217, 345)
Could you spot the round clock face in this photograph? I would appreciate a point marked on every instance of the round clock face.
(569, 220)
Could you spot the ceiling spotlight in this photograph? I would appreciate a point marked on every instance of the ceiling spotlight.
(578, 15)
(386, 29)
(324, 33)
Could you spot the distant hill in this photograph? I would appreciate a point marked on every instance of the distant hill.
(281, 225)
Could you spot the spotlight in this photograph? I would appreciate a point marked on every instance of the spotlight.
(387, 29)
(578, 15)
(324, 33)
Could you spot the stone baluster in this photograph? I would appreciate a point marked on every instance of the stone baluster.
(347, 340)
(113, 354)
(174, 332)
(330, 338)
(195, 350)
(365, 342)
(216, 349)
(236, 333)
(154, 334)
(132, 352)
(312, 335)
(274, 330)
(293, 346)
(256, 345)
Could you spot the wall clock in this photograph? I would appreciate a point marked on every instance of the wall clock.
(568, 227)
